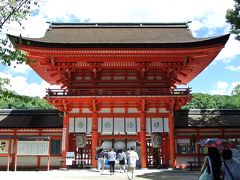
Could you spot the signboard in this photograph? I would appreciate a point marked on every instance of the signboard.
(4, 146)
(70, 157)
(32, 147)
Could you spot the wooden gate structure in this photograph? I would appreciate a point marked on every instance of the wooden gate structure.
(119, 80)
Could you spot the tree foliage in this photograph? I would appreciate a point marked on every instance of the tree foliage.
(11, 100)
(236, 90)
(233, 18)
(206, 101)
(12, 11)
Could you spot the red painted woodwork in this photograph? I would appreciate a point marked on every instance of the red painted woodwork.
(94, 137)
(141, 78)
(142, 138)
(171, 139)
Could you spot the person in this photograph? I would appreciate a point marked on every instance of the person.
(230, 167)
(100, 159)
(236, 154)
(132, 158)
(112, 159)
(214, 165)
(121, 157)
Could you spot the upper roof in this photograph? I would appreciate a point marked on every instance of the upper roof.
(118, 35)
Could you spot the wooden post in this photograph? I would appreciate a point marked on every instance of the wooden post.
(49, 153)
(65, 139)
(94, 137)
(15, 162)
(143, 140)
(171, 138)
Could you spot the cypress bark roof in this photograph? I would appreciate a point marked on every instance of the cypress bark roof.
(119, 35)
(183, 118)
(207, 118)
(30, 119)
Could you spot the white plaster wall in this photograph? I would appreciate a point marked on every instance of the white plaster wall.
(27, 161)
(132, 110)
(118, 110)
(54, 161)
(3, 161)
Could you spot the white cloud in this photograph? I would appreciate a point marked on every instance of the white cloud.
(230, 51)
(20, 85)
(19, 68)
(223, 88)
(233, 68)
(140, 10)
(204, 14)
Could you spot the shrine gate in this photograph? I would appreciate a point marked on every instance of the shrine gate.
(119, 83)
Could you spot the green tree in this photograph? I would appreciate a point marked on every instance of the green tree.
(12, 11)
(11, 100)
(3, 82)
(233, 18)
(236, 90)
(206, 101)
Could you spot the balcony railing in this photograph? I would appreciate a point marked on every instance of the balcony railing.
(118, 92)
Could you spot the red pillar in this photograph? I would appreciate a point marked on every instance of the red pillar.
(171, 139)
(65, 139)
(143, 140)
(94, 138)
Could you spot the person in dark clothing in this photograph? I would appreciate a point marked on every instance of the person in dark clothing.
(216, 163)
(100, 158)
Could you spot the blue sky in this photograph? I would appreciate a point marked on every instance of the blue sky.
(208, 19)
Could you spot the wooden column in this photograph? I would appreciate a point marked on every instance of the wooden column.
(143, 140)
(65, 139)
(142, 134)
(94, 138)
(171, 138)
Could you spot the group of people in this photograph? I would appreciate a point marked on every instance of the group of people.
(225, 169)
(128, 158)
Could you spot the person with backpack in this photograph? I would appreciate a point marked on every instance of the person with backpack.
(230, 167)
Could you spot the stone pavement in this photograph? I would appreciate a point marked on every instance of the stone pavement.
(93, 174)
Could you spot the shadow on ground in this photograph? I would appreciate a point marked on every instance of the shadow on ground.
(170, 175)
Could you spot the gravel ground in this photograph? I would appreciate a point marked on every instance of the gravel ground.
(92, 174)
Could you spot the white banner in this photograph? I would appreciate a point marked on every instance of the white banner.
(107, 125)
(119, 125)
(32, 148)
(157, 125)
(80, 124)
(130, 125)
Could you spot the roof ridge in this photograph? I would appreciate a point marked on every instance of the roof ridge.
(120, 24)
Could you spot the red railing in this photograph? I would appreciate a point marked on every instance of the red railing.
(118, 92)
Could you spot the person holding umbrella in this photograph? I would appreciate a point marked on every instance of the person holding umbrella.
(213, 163)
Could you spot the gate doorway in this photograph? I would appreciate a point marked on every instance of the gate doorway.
(157, 156)
(83, 154)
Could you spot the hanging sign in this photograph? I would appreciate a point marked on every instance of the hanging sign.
(4, 146)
